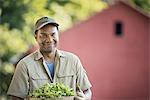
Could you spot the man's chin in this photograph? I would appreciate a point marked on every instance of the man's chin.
(49, 50)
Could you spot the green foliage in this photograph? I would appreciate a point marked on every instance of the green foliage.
(66, 12)
(10, 44)
(143, 4)
(50, 90)
(12, 13)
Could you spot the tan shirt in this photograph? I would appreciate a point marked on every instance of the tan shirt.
(32, 72)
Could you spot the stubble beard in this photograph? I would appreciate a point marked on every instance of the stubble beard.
(49, 49)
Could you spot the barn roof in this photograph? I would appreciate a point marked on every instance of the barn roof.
(136, 8)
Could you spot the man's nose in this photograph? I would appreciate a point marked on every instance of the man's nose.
(49, 38)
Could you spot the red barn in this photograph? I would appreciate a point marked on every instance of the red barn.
(113, 46)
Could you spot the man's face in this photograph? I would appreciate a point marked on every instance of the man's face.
(47, 38)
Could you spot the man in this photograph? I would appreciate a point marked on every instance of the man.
(48, 64)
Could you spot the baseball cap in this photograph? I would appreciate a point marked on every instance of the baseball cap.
(44, 21)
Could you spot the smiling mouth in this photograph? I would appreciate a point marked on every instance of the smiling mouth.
(49, 44)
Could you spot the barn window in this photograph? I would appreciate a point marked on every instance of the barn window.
(118, 28)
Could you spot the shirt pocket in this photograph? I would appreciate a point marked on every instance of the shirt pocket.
(37, 81)
(67, 78)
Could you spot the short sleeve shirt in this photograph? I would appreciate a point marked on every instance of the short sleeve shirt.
(32, 72)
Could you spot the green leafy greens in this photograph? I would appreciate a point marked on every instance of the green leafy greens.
(50, 90)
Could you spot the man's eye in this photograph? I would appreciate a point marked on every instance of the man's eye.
(44, 35)
(52, 34)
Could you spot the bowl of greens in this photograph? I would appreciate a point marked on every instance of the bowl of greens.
(52, 91)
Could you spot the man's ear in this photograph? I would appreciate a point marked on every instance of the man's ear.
(35, 35)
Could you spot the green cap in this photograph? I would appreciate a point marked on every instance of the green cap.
(44, 21)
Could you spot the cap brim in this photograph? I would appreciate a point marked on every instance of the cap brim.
(52, 23)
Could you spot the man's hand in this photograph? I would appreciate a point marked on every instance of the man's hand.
(80, 96)
(83, 95)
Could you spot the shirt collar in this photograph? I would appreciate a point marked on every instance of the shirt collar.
(38, 55)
